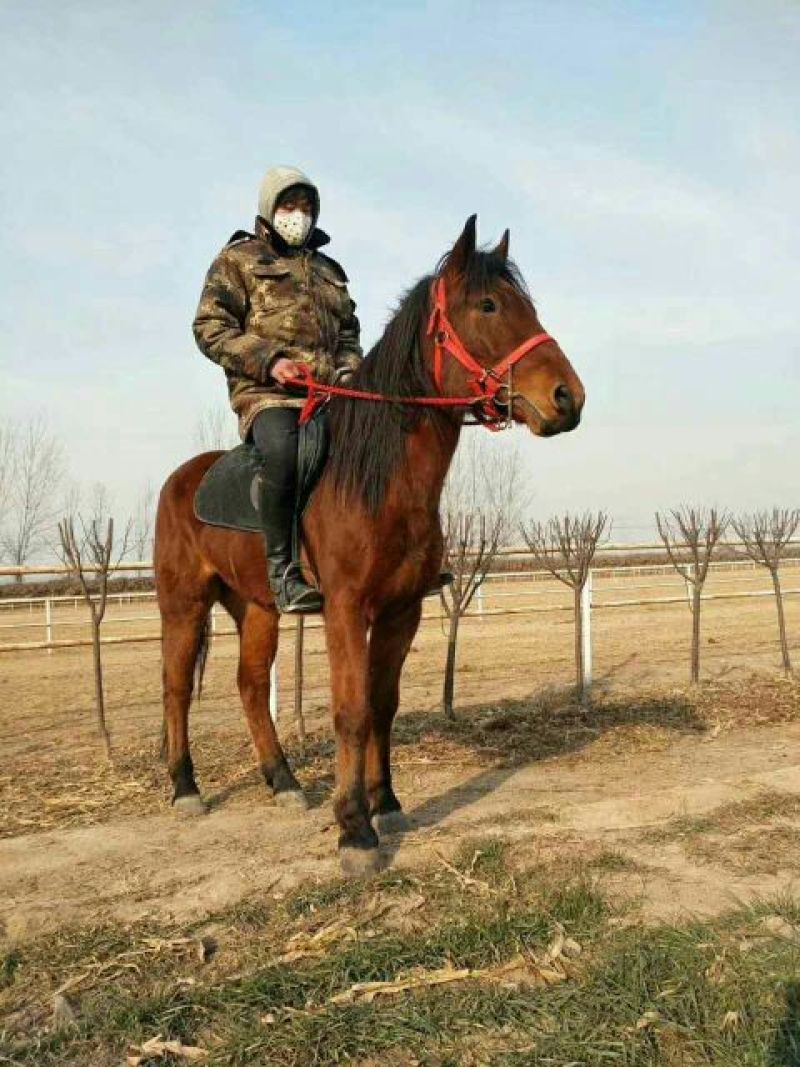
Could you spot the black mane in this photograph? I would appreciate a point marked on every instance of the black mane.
(368, 436)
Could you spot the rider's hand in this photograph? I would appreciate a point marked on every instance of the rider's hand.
(283, 369)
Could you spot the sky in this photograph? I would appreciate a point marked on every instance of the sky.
(646, 157)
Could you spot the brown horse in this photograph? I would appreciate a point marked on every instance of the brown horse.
(371, 534)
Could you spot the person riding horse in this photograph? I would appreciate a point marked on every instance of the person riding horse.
(272, 301)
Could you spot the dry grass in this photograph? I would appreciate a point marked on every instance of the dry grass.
(768, 850)
(48, 792)
(731, 818)
(758, 835)
(537, 971)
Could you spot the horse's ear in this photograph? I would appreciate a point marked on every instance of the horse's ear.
(464, 247)
(502, 246)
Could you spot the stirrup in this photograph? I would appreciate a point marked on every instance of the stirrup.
(444, 579)
(302, 599)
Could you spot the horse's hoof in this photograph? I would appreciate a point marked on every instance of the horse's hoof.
(390, 822)
(190, 806)
(293, 799)
(359, 862)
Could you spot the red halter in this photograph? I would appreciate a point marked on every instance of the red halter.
(485, 382)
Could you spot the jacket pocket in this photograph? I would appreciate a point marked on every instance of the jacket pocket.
(333, 292)
(274, 289)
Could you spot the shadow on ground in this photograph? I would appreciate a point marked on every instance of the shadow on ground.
(513, 733)
(542, 725)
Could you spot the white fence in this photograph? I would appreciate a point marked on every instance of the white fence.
(57, 620)
(53, 617)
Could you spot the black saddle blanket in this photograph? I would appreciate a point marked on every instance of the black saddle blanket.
(229, 492)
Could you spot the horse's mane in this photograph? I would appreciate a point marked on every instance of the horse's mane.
(369, 437)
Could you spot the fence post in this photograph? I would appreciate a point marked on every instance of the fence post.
(48, 623)
(298, 680)
(479, 597)
(273, 691)
(586, 631)
(689, 570)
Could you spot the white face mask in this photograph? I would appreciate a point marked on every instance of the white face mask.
(293, 226)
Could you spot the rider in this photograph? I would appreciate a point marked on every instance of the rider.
(272, 301)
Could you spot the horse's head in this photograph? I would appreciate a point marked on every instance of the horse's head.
(493, 316)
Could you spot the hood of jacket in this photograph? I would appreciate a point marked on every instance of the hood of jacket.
(275, 182)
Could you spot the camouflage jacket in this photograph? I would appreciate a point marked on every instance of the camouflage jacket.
(260, 303)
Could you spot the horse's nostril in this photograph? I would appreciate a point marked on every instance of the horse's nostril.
(563, 399)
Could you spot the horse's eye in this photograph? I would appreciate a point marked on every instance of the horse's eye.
(488, 305)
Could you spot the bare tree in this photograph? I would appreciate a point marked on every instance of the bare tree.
(482, 500)
(7, 450)
(471, 542)
(765, 536)
(68, 508)
(487, 475)
(89, 562)
(565, 546)
(214, 429)
(98, 505)
(142, 524)
(691, 536)
(36, 470)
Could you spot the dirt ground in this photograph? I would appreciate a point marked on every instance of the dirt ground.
(644, 775)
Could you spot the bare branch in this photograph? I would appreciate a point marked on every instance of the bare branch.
(471, 543)
(696, 533)
(38, 466)
(142, 524)
(90, 562)
(215, 429)
(565, 546)
(766, 536)
(7, 456)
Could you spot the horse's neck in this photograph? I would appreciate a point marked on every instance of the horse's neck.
(421, 474)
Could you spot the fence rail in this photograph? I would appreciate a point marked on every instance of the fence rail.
(496, 587)
(597, 584)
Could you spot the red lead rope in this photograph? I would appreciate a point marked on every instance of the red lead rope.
(485, 382)
(318, 393)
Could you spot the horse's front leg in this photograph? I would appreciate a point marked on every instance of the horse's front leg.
(389, 644)
(346, 634)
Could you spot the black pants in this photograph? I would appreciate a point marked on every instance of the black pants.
(274, 434)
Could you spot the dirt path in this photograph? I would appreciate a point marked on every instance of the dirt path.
(160, 866)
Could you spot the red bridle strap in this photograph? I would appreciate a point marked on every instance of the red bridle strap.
(485, 382)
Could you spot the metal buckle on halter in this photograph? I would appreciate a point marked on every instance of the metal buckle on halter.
(503, 419)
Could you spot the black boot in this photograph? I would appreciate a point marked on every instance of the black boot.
(293, 595)
(275, 436)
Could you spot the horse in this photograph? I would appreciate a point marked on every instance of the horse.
(371, 533)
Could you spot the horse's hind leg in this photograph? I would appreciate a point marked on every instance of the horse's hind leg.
(258, 645)
(390, 641)
(183, 636)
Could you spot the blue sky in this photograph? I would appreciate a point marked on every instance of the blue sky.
(645, 155)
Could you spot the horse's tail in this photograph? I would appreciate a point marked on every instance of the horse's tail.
(201, 659)
(202, 656)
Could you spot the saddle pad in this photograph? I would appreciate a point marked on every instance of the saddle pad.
(229, 492)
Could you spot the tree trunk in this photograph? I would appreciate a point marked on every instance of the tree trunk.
(100, 706)
(697, 592)
(576, 592)
(776, 585)
(450, 666)
(298, 682)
